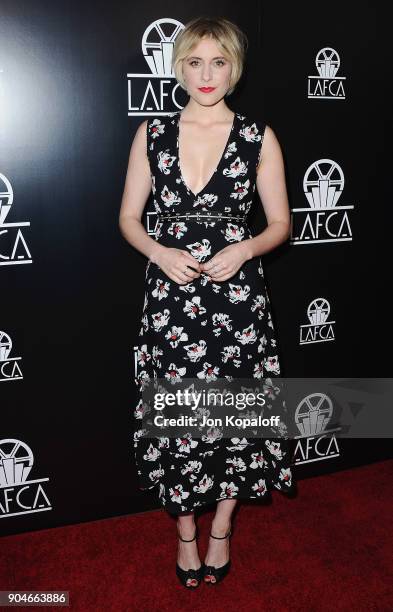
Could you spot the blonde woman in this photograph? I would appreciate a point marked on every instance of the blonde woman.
(207, 312)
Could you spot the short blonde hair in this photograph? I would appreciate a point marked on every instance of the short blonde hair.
(231, 40)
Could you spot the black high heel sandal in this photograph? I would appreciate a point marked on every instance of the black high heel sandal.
(194, 574)
(218, 572)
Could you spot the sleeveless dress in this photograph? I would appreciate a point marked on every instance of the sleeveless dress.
(206, 329)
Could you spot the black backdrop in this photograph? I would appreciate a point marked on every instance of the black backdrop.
(72, 79)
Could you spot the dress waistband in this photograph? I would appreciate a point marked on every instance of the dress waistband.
(190, 214)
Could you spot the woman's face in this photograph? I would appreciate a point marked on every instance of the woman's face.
(206, 72)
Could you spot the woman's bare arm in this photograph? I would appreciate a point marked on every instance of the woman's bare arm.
(174, 262)
(136, 192)
(272, 190)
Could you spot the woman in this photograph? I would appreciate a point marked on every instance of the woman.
(206, 312)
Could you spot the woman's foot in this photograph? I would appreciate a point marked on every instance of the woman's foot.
(187, 554)
(218, 551)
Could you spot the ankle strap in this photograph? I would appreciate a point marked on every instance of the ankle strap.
(223, 537)
(183, 540)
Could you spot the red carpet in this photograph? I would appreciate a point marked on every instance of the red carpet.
(328, 549)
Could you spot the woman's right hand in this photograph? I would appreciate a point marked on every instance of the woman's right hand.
(174, 263)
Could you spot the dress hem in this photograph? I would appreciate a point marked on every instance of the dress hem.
(289, 492)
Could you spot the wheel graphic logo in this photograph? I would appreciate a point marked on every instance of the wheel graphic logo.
(327, 62)
(16, 461)
(157, 45)
(5, 345)
(313, 414)
(318, 311)
(6, 197)
(323, 183)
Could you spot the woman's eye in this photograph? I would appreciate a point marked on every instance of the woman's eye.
(196, 62)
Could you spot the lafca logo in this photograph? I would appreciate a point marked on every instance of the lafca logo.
(155, 93)
(9, 366)
(17, 494)
(13, 247)
(327, 85)
(319, 329)
(152, 223)
(312, 417)
(322, 220)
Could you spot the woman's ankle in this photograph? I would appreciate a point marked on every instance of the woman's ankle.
(220, 527)
(186, 529)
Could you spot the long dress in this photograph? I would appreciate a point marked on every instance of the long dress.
(205, 329)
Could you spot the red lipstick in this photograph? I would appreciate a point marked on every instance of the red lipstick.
(206, 89)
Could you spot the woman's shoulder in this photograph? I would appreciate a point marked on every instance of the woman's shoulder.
(253, 127)
(251, 118)
(156, 127)
(153, 120)
(162, 119)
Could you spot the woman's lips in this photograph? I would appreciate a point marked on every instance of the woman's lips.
(206, 89)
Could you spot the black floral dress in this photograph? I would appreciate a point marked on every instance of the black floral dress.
(206, 329)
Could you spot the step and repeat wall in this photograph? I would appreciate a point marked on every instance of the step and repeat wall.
(76, 80)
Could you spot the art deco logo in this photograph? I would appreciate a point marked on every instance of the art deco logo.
(312, 416)
(13, 246)
(17, 494)
(319, 329)
(326, 85)
(9, 366)
(155, 93)
(322, 221)
(152, 223)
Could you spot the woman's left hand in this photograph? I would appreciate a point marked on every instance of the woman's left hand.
(226, 262)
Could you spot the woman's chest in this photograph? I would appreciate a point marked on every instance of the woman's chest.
(199, 165)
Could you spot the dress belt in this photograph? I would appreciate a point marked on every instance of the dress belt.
(190, 214)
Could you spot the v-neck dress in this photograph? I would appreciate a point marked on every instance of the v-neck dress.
(207, 330)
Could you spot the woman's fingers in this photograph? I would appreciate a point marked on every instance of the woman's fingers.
(218, 269)
(180, 281)
(190, 274)
(191, 260)
(212, 264)
(223, 274)
(183, 276)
